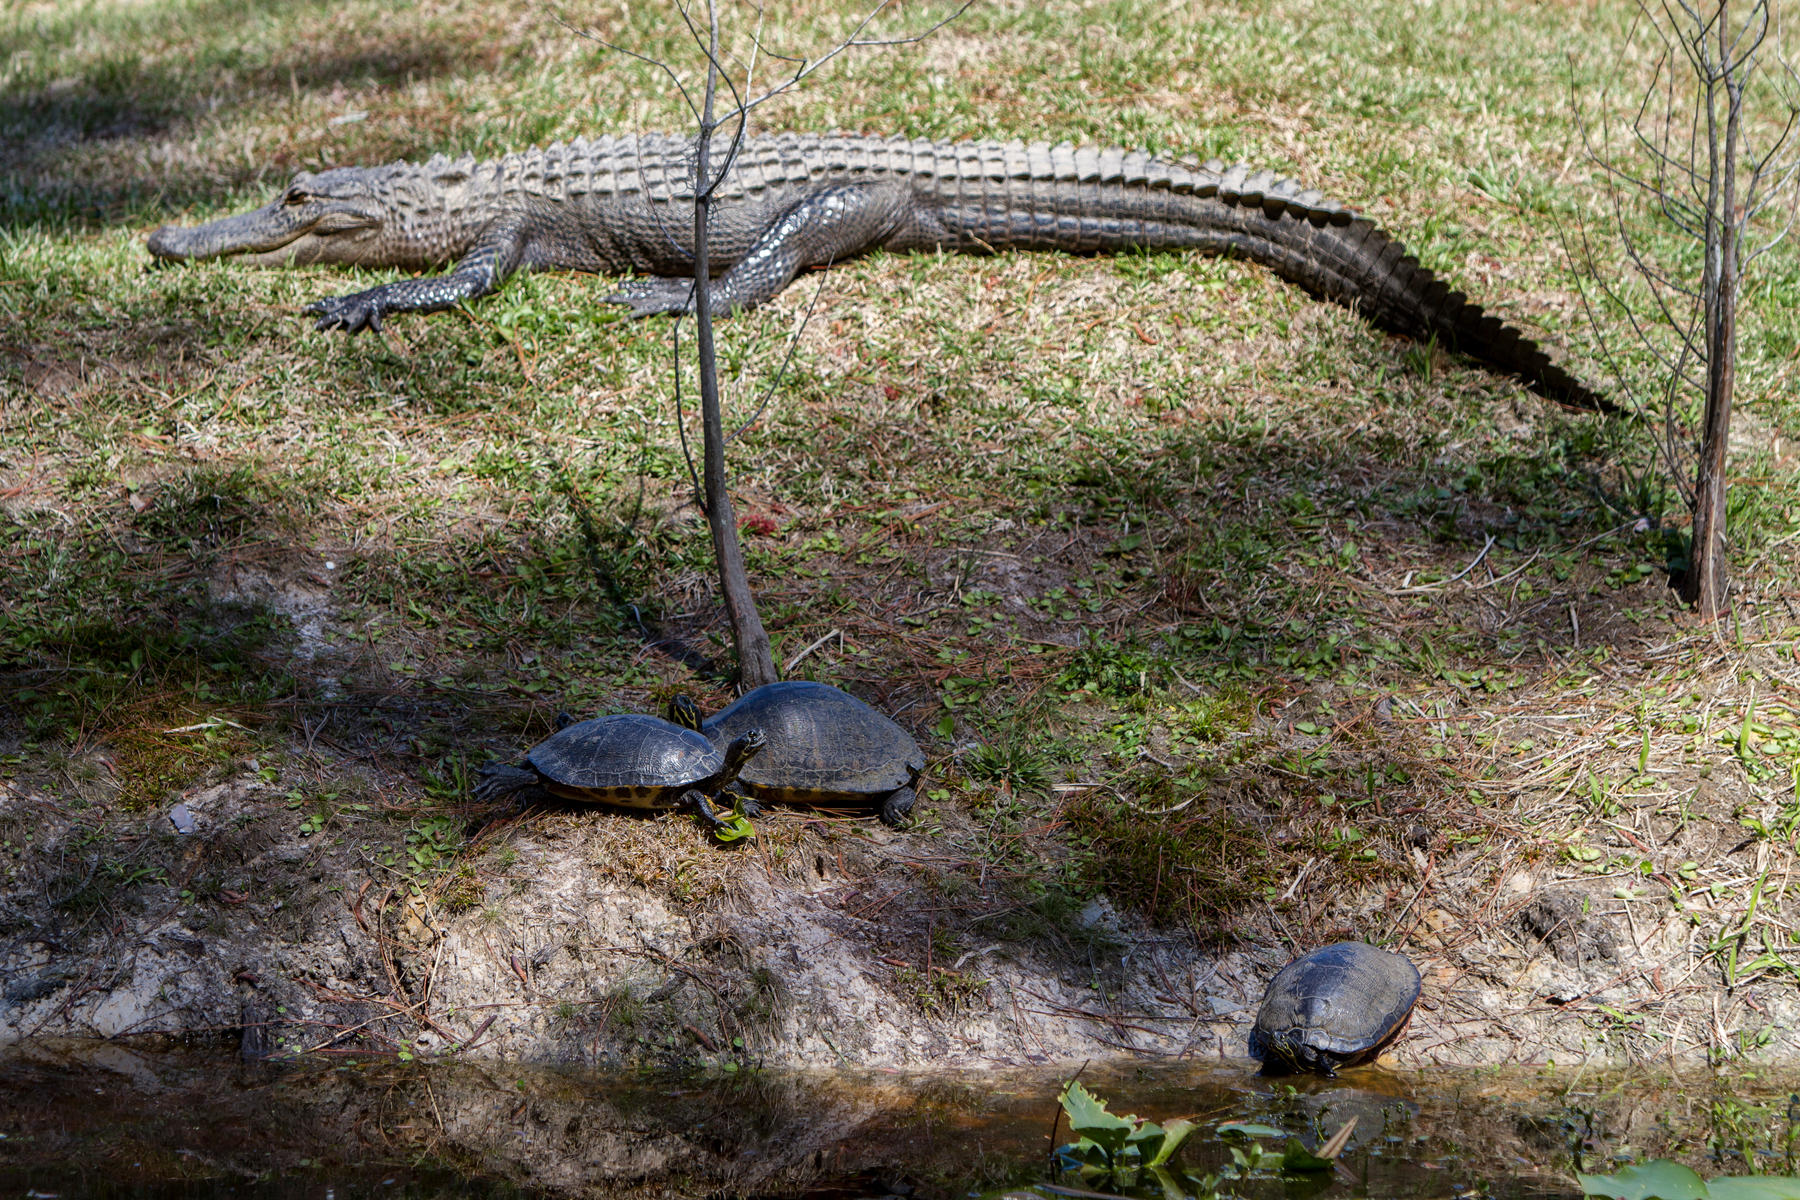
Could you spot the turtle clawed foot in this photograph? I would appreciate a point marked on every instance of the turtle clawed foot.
(896, 807)
(735, 827)
(742, 802)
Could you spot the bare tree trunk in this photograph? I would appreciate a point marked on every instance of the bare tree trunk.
(1704, 586)
(1685, 156)
(756, 660)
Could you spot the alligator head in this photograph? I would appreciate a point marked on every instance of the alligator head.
(333, 216)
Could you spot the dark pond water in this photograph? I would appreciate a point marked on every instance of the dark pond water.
(111, 1120)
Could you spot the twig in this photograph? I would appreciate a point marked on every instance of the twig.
(798, 658)
(1432, 587)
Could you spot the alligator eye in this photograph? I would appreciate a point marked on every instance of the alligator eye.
(293, 197)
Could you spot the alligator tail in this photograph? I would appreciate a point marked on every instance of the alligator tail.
(1337, 255)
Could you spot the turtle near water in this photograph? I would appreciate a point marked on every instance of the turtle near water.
(825, 747)
(630, 761)
(1338, 1006)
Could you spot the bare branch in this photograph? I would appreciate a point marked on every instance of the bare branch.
(687, 452)
(793, 344)
(854, 42)
(630, 53)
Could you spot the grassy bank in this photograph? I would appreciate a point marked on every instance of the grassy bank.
(1200, 594)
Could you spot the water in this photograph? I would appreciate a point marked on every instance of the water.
(112, 1121)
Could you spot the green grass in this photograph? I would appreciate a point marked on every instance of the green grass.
(1112, 536)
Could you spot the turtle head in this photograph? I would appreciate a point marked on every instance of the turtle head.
(684, 712)
(1283, 1051)
(737, 754)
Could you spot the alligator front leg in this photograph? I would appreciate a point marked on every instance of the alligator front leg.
(828, 226)
(497, 254)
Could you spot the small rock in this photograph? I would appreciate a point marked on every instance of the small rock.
(24, 991)
(1557, 921)
(181, 819)
(1098, 915)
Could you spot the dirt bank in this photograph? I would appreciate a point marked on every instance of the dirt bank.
(241, 910)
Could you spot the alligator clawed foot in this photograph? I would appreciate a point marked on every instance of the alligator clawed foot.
(655, 297)
(350, 313)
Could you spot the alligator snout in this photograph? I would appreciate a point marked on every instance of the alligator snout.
(256, 232)
(169, 242)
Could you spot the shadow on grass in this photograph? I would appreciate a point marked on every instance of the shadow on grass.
(100, 140)
(1221, 598)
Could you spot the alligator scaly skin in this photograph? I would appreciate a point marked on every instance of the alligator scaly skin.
(793, 201)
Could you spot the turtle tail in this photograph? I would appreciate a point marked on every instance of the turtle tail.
(499, 780)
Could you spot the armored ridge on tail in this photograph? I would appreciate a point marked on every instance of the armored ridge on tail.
(793, 201)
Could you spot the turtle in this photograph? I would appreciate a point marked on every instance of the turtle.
(1336, 1007)
(825, 747)
(632, 760)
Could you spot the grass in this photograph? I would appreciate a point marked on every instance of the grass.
(1170, 567)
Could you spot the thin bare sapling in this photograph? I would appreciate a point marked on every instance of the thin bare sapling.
(1709, 157)
(713, 159)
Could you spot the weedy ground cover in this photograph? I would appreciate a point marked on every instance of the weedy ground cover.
(1201, 594)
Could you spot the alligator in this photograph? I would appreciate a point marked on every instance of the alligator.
(788, 202)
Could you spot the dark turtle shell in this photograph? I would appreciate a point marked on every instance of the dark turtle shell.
(824, 746)
(631, 759)
(1336, 1007)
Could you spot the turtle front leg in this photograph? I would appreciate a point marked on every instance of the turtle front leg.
(898, 804)
(701, 803)
(742, 801)
(1307, 1058)
(734, 828)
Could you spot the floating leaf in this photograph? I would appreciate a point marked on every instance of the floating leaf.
(1250, 1130)
(1089, 1118)
(1658, 1179)
(1755, 1187)
(1298, 1158)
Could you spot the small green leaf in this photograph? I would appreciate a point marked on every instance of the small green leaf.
(1146, 1140)
(1171, 1187)
(1174, 1134)
(736, 827)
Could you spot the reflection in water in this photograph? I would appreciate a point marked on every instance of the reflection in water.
(108, 1120)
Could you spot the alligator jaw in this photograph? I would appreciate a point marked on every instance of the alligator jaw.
(277, 234)
(266, 230)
